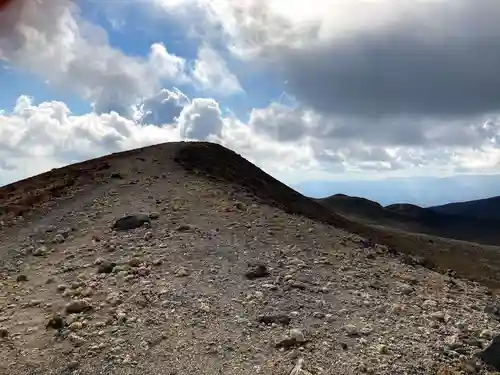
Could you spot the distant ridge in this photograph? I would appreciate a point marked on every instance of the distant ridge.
(486, 209)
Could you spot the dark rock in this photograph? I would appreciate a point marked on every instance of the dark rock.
(131, 222)
(450, 273)
(290, 342)
(3, 333)
(258, 271)
(493, 310)
(58, 239)
(491, 355)
(77, 306)
(21, 278)
(117, 176)
(278, 319)
(183, 228)
(240, 206)
(106, 267)
(56, 322)
(298, 285)
(134, 262)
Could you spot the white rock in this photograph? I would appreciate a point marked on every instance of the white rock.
(486, 334)
(429, 304)
(297, 335)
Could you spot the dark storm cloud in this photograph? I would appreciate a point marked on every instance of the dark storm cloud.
(444, 64)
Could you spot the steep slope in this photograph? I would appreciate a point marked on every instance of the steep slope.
(485, 209)
(219, 279)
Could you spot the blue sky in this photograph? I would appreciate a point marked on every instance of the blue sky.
(332, 96)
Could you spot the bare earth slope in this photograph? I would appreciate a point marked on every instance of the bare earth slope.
(221, 281)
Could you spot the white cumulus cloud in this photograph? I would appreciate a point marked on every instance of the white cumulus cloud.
(211, 73)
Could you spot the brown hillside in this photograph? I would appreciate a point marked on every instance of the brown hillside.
(185, 258)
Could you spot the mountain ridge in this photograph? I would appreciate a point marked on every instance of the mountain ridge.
(186, 258)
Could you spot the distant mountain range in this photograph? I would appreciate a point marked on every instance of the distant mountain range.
(486, 209)
(421, 191)
(475, 221)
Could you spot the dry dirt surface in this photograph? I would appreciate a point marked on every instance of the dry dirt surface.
(215, 268)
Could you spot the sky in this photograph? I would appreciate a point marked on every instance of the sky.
(396, 100)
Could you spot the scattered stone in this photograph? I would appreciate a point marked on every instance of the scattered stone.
(296, 338)
(405, 288)
(98, 261)
(87, 292)
(397, 308)
(114, 299)
(439, 316)
(134, 262)
(77, 306)
(73, 365)
(298, 370)
(429, 304)
(61, 288)
(493, 310)
(382, 349)
(277, 319)
(486, 334)
(258, 271)
(34, 303)
(157, 262)
(351, 330)
(143, 271)
(148, 236)
(76, 340)
(298, 285)
(297, 335)
(270, 286)
(120, 268)
(4, 333)
(40, 251)
(76, 326)
(182, 272)
(21, 278)
(58, 239)
(154, 215)
(469, 366)
(131, 222)
(183, 228)
(491, 355)
(240, 206)
(106, 267)
(56, 322)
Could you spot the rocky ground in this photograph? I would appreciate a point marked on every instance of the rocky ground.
(205, 279)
